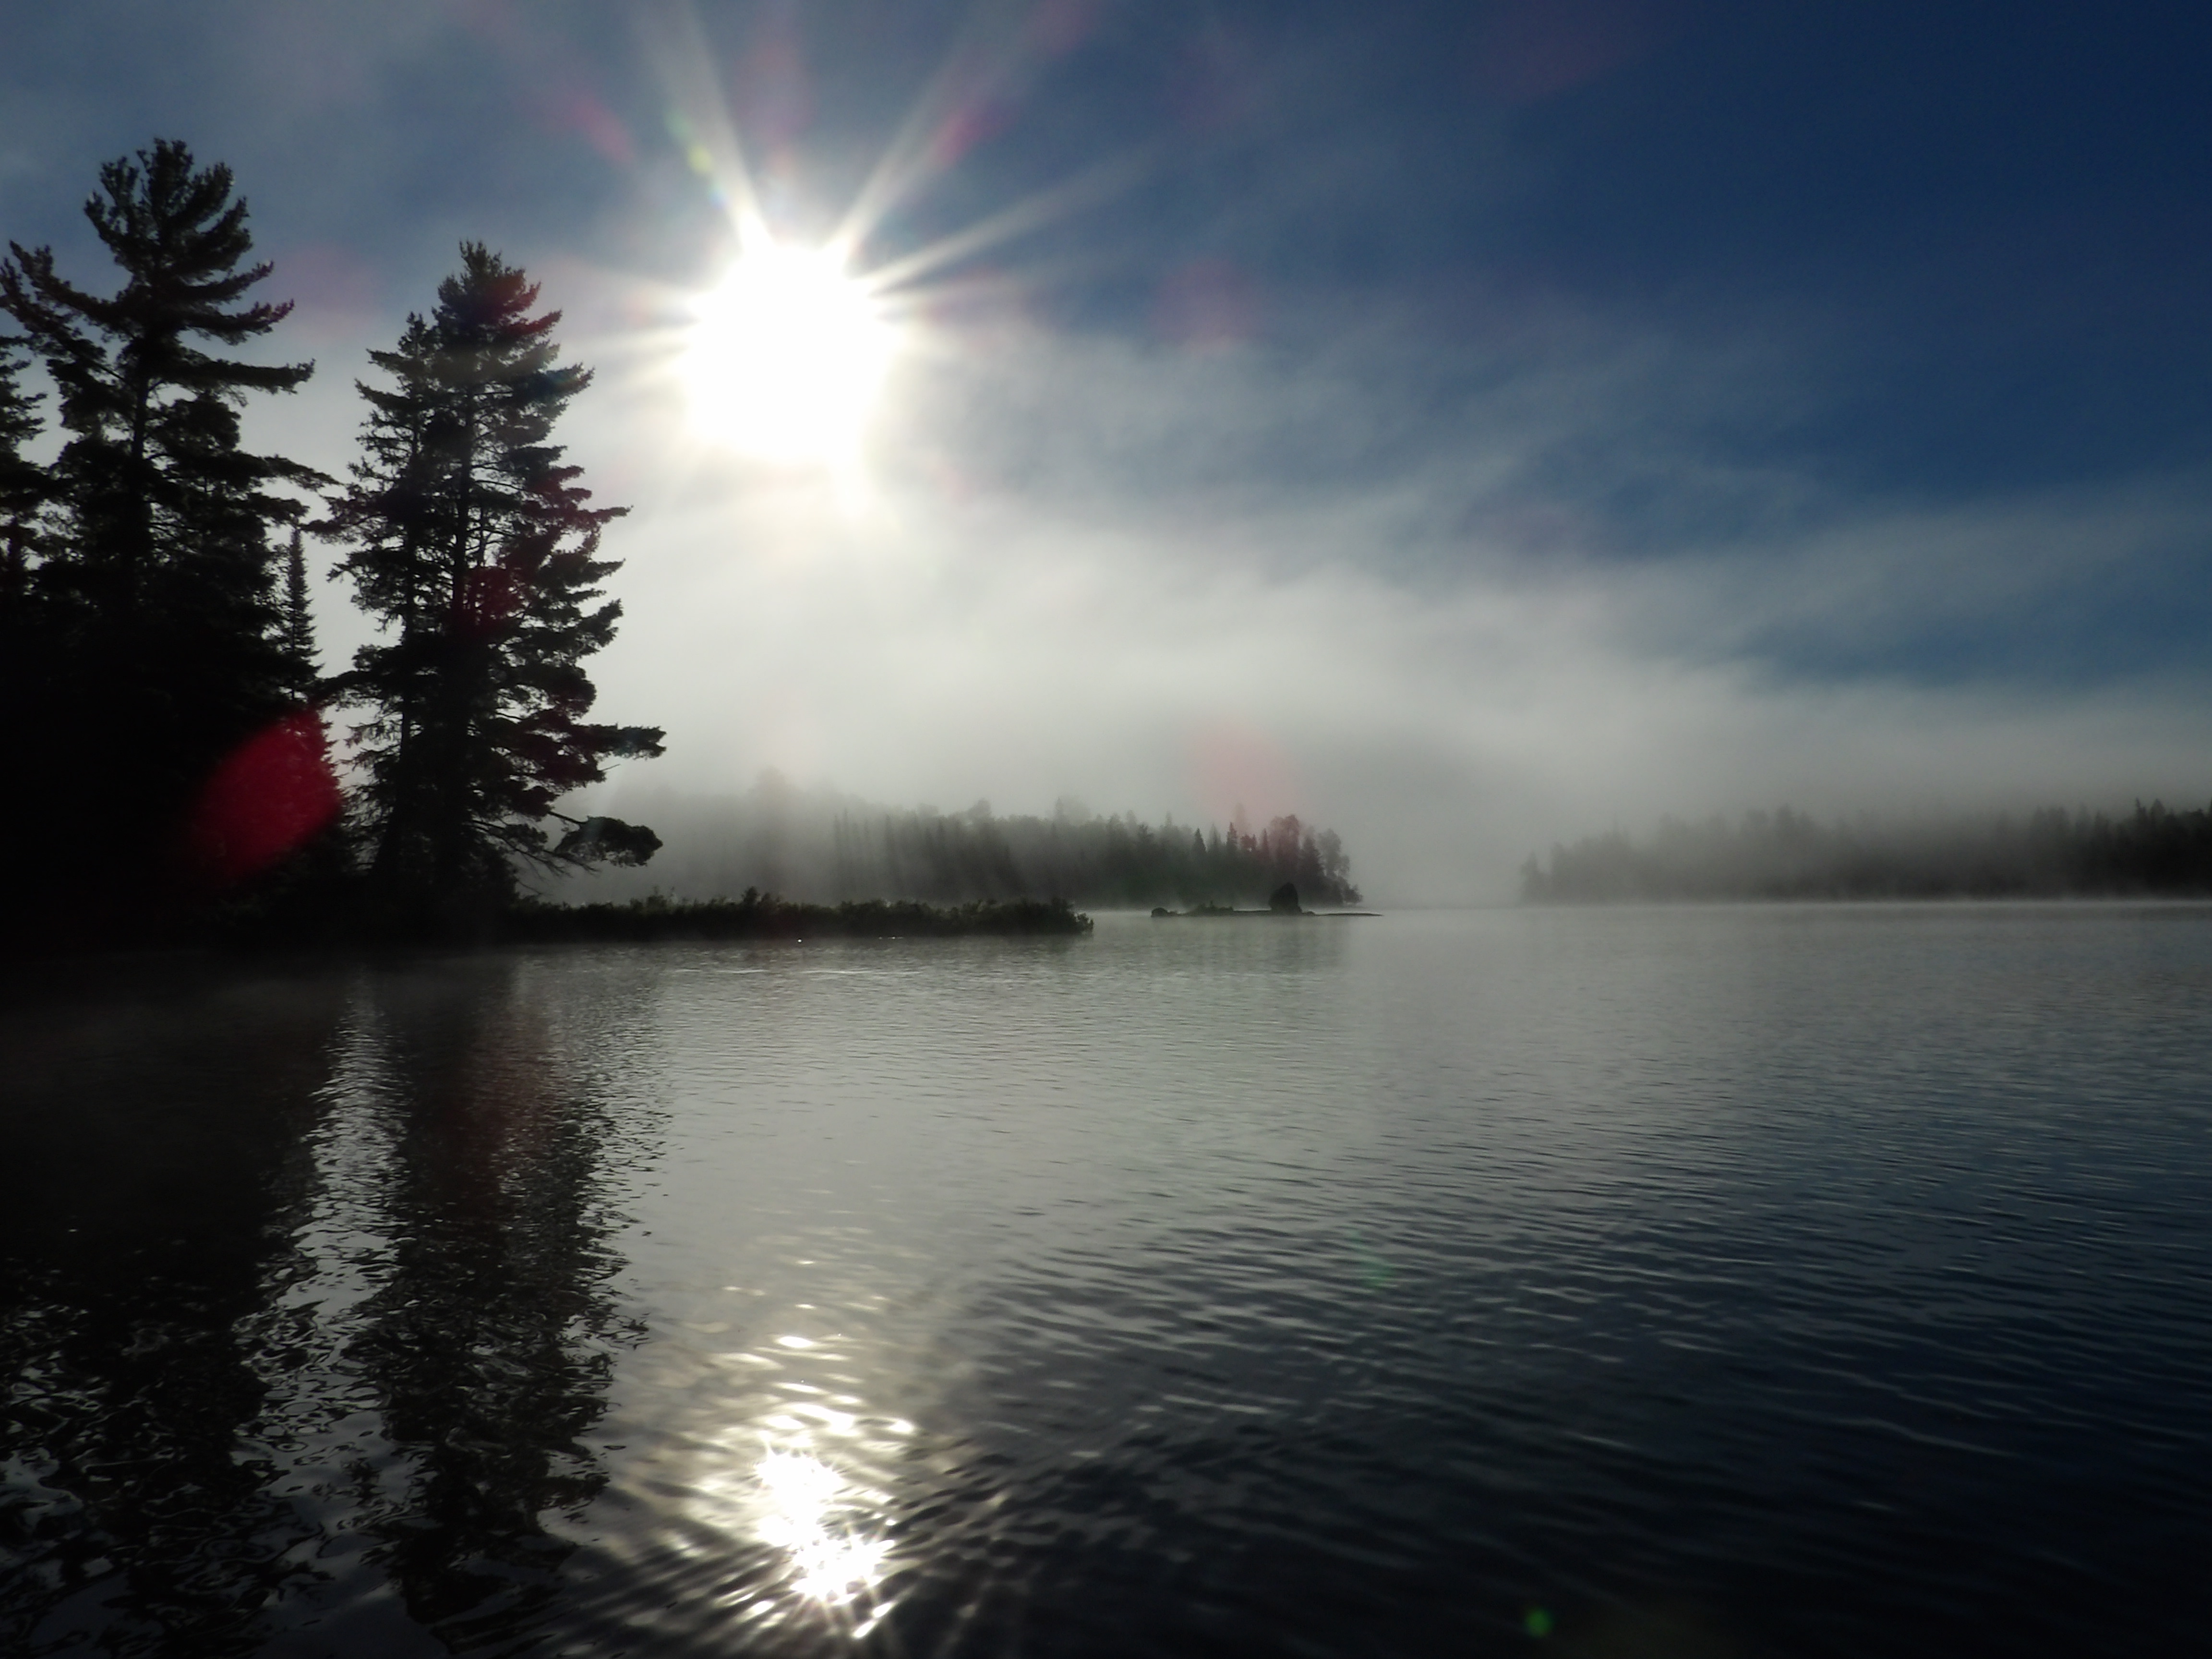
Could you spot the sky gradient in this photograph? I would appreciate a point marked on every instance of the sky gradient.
(1467, 425)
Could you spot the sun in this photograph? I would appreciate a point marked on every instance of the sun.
(786, 355)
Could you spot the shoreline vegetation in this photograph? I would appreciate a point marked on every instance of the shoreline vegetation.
(157, 653)
(2154, 852)
(1283, 902)
(1217, 912)
(764, 916)
(819, 844)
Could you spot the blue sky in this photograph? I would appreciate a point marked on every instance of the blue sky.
(1500, 419)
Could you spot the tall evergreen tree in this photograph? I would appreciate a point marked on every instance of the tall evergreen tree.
(26, 645)
(160, 593)
(474, 547)
(298, 635)
(24, 533)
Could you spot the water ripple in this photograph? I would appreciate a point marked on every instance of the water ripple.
(1731, 1281)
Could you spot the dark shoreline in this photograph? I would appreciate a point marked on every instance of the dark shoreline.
(763, 915)
(27, 967)
(1219, 913)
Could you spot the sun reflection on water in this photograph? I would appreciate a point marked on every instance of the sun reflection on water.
(806, 1507)
(797, 1470)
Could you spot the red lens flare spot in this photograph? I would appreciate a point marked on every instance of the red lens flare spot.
(1058, 27)
(267, 797)
(1208, 305)
(583, 112)
(975, 123)
(1237, 773)
(1530, 52)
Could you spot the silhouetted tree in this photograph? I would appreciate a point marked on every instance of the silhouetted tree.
(23, 491)
(476, 550)
(27, 647)
(156, 584)
(299, 633)
(23, 539)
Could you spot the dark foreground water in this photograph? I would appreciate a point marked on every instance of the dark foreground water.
(1694, 1282)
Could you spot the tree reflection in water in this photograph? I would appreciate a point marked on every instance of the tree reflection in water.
(491, 1342)
(304, 1299)
(159, 1167)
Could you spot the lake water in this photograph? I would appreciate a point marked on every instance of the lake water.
(1729, 1281)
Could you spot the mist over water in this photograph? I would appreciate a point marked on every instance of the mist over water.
(1749, 1280)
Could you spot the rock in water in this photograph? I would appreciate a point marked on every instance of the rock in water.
(1284, 900)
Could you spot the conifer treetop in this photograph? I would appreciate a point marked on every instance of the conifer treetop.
(179, 235)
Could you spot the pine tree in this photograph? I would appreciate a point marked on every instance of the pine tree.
(475, 550)
(159, 591)
(298, 634)
(26, 646)
(24, 534)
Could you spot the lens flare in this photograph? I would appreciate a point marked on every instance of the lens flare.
(268, 798)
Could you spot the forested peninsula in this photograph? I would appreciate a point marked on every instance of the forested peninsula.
(2155, 851)
(823, 846)
(175, 724)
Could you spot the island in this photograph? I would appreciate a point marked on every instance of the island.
(1283, 902)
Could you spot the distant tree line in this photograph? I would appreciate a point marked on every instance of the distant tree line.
(1785, 855)
(826, 846)
(1107, 861)
(157, 658)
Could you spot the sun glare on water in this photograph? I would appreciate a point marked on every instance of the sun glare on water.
(803, 1500)
(787, 356)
